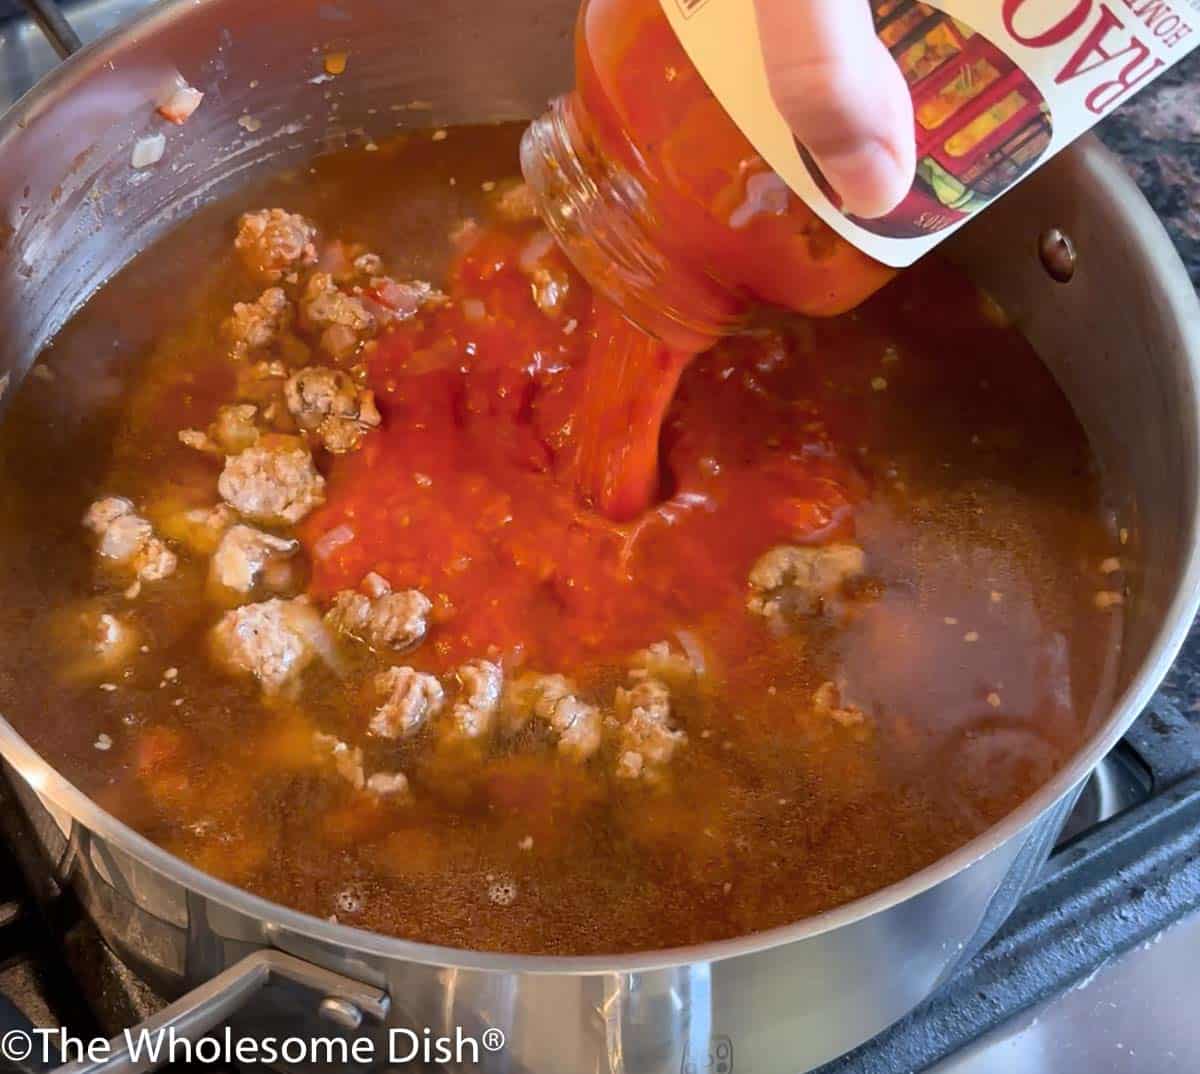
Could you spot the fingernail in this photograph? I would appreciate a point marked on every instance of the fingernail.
(868, 177)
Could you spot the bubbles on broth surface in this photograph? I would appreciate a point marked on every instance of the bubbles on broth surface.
(502, 892)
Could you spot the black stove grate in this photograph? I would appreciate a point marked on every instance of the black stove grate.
(55, 970)
(1101, 893)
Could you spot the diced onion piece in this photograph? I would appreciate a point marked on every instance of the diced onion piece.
(181, 104)
(332, 540)
(148, 150)
(473, 310)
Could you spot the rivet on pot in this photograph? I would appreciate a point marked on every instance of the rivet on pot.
(340, 1012)
(1057, 252)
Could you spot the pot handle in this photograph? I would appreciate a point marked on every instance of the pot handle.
(342, 1000)
(53, 23)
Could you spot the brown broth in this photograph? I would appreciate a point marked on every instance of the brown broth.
(976, 650)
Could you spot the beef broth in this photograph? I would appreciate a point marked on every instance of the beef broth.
(353, 643)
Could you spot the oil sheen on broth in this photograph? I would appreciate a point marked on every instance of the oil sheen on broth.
(718, 756)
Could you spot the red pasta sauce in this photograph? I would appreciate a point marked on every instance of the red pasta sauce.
(493, 415)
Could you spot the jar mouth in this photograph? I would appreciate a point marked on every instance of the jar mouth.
(601, 216)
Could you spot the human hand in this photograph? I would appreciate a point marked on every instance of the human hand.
(843, 96)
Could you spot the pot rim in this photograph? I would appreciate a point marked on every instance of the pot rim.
(1144, 234)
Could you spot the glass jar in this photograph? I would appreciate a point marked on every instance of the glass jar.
(661, 201)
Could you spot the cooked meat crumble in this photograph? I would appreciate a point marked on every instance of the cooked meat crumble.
(647, 737)
(381, 618)
(328, 403)
(658, 661)
(411, 699)
(273, 482)
(126, 538)
(480, 683)
(802, 578)
(274, 242)
(243, 553)
(552, 699)
(233, 430)
(274, 641)
(256, 325)
(344, 320)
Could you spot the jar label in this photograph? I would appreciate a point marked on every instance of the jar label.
(998, 87)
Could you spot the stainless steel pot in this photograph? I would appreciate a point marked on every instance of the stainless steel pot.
(1123, 337)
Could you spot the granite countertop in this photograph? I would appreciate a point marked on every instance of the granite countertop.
(1157, 134)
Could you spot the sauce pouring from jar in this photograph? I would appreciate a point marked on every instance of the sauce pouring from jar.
(679, 225)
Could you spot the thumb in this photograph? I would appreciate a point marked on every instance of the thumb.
(843, 96)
